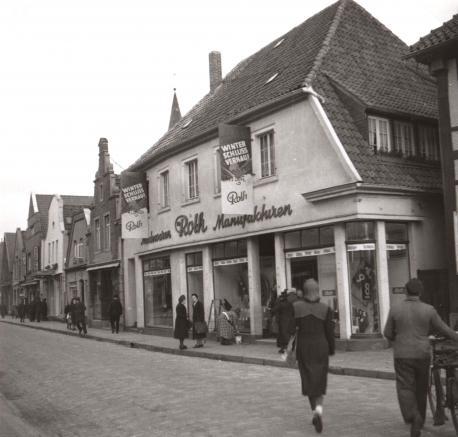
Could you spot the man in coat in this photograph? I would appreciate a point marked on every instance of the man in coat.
(284, 314)
(78, 312)
(115, 312)
(408, 326)
(198, 321)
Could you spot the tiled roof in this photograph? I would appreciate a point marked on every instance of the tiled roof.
(443, 34)
(73, 205)
(10, 241)
(43, 202)
(342, 43)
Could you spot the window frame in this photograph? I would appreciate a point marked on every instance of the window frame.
(164, 188)
(269, 164)
(98, 239)
(106, 231)
(188, 195)
(375, 121)
(401, 138)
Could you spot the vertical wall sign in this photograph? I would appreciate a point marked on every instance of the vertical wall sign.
(134, 208)
(236, 169)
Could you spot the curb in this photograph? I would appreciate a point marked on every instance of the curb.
(336, 370)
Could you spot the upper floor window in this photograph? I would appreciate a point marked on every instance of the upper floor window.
(192, 180)
(75, 249)
(52, 253)
(29, 263)
(267, 152)
(404, 138)
(164, 189)
(36, 259)
(379, 133)
(107, 231)
(57, 251)
(49, 253)
(428, 142)
(98, 242)
(101, 192)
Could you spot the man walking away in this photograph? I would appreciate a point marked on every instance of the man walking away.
(407, 327)
(80, 318)
(115, 311)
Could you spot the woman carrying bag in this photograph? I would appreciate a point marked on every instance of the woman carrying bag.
(182, 324)
(199, 327)
(314, 344)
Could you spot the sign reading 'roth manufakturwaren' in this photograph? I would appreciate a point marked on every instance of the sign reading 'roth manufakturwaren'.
(236, 169)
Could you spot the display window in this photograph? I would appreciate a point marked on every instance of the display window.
(194, 278)
(157, 292)
(230, 278)
(397, 251)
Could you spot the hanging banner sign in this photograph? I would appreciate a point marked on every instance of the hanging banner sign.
(134, 205)
(236, 169)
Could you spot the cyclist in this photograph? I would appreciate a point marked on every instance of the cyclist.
(407, 328)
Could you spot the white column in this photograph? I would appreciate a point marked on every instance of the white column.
(383, 287)
(130, 293)
(413, 231)
(139, 292)
(254, 286)
(280, 263)
(209, 293)
(289, 279)
(178, 278)
(343, 284)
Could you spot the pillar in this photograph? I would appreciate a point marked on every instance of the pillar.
(178, 278)
(343, 282)
(209, 291)
(280, 263)
(139, 292)
(383, 287)
(254, 286)
(413, 231)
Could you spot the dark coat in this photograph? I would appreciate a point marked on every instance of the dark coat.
(314, 344)
(181, 322)
(115, 308)
(77, 311)
(284, 314)
(197, 316)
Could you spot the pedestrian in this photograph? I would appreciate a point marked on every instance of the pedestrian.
(226, 325)
(3, 310)
(314, 344)
(182, 323)
(78, 313)
(37, 305)
(44, 309)
(407, 327)
(21, 310)
(31, 309)
(199, 327)
(68, 314)
(284, 314)
(115, 312)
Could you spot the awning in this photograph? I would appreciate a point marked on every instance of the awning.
(44, 273)
(28, 283)
(103, 266)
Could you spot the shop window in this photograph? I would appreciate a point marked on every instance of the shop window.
(360, 231)
(396, 232)
(194, 279)
(164, 189)
(267, 152)
(293, 240)
(403, 138)
(158, 292)
(379, 134)
(327, 236)
(310, 237)
(230, 249)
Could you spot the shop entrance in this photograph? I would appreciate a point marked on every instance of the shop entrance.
(303, 269)
(194, 279)
(268, 282)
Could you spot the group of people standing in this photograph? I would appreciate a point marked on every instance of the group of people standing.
(75, 316)
(35, 311)
(183, 324)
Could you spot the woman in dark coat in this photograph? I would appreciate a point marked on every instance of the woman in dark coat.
(315, 342)
(181, 322)
(283, 311)
(198, 320)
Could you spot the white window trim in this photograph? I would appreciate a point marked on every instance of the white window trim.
(259, 135)
(185, 180)
(98, 236)
(161, 198)
(402, 125)
(377, 131)
(106, 235)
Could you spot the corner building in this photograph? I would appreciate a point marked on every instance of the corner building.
(346, 184)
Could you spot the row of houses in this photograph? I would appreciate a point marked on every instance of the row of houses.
(330, 135)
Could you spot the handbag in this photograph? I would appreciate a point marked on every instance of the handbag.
(200, 327)
(289, 356)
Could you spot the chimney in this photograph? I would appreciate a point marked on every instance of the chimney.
(216, 77)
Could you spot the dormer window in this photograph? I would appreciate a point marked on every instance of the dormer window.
(403, 138)
(379, 134)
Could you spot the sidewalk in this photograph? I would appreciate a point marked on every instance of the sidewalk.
(371, 364)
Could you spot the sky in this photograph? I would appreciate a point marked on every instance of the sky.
(72, 72)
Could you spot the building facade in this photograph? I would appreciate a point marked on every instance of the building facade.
(6, 270)
(439, 50)
(104, 265)
(346, 183)
(19, 265)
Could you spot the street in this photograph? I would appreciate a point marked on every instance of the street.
(56, 385)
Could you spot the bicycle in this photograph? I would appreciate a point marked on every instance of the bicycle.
(443, 384)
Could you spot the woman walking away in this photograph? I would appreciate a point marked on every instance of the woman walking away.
(199, 327)
(182, 323)
(314, 344)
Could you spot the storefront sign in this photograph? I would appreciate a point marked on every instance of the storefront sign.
(236, 169)
(185, 226)
(258, 215)
(154, 238)
(157, 272)
(398, 290)
(359, 247)
(329, 293)
(194, 269)
(311, 252)
(134, 218)
(396, 247)
(225, 262)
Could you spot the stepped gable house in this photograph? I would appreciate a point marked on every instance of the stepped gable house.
(104, 266)
(346, 182)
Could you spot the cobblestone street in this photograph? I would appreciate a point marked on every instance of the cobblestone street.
(67, 386)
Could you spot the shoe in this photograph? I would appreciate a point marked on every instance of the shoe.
(281, 351)
(415, 427)
(196, 346)
(317, 423)
(200, 345)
